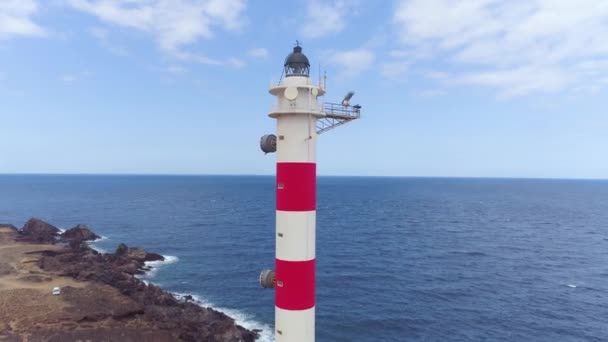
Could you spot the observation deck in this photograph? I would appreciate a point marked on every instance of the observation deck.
(337, 114)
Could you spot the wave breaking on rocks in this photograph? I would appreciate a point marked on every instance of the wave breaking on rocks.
(112, 303)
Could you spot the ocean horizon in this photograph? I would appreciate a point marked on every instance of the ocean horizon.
(398, 258)
(318, 175)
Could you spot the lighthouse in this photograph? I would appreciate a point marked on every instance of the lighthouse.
(300, 116)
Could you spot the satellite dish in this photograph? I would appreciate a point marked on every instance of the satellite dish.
(346, 100)
(314, 92)
(291, 93)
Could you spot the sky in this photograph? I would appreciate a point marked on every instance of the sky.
(474, 88)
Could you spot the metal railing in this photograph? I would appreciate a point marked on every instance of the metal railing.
(337, 114)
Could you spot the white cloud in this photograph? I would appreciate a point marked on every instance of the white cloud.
(395, 70)
(258, 52)
(430, 93)
(103, 36)
(519, 47)
(68, 78)
(325, 18)
(352, 62)
(235, 62)
(520, 81)
(16, 19)
(173, 23)
(176, 69)
(437, 75)
(74, 77)
(196, 58)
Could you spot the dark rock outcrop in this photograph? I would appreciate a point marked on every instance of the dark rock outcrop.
(154, 257)
(137, 254)
(181, 319)
(36, 230)
(122, 250)
(80, 233)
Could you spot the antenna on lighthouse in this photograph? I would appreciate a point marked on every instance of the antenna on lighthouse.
(319, 74)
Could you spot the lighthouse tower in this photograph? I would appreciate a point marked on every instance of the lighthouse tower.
(300, 116)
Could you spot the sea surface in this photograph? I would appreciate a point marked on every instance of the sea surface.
(398, 259)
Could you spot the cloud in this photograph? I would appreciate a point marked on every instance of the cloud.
(431, 93)
(518, 47)
(16, 19)
(103, 36)
(325, 18)
(395, 70)
(73, 77)
(519, 81)
(196, 58)
(235, 62)
(174, 24)
(352, 62)
(258, 53)
(176, 69)
(68, 78)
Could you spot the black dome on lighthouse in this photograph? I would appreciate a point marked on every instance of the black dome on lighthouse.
(296, 63)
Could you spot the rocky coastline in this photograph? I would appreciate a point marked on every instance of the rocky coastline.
(107, 301)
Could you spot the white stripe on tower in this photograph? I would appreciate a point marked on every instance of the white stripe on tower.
(295, 228)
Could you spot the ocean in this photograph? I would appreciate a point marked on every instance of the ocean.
(398, 259)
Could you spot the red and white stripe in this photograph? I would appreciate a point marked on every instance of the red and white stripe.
(295, 228)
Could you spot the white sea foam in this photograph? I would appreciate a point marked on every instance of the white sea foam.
(241, 318)
(155, 265)
(98, 249)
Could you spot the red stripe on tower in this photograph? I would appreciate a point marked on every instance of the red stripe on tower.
(296, 186)
(295, 284)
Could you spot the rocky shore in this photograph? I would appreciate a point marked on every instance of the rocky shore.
(101, 298)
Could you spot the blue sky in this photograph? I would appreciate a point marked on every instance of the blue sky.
(477, 88)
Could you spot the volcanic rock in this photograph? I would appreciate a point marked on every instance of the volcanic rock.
(137, 254)
(154, 257)
(36, 230)
(183, 320)
(114, 304)
(79, 233)
(122, 249)
(131, 268)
